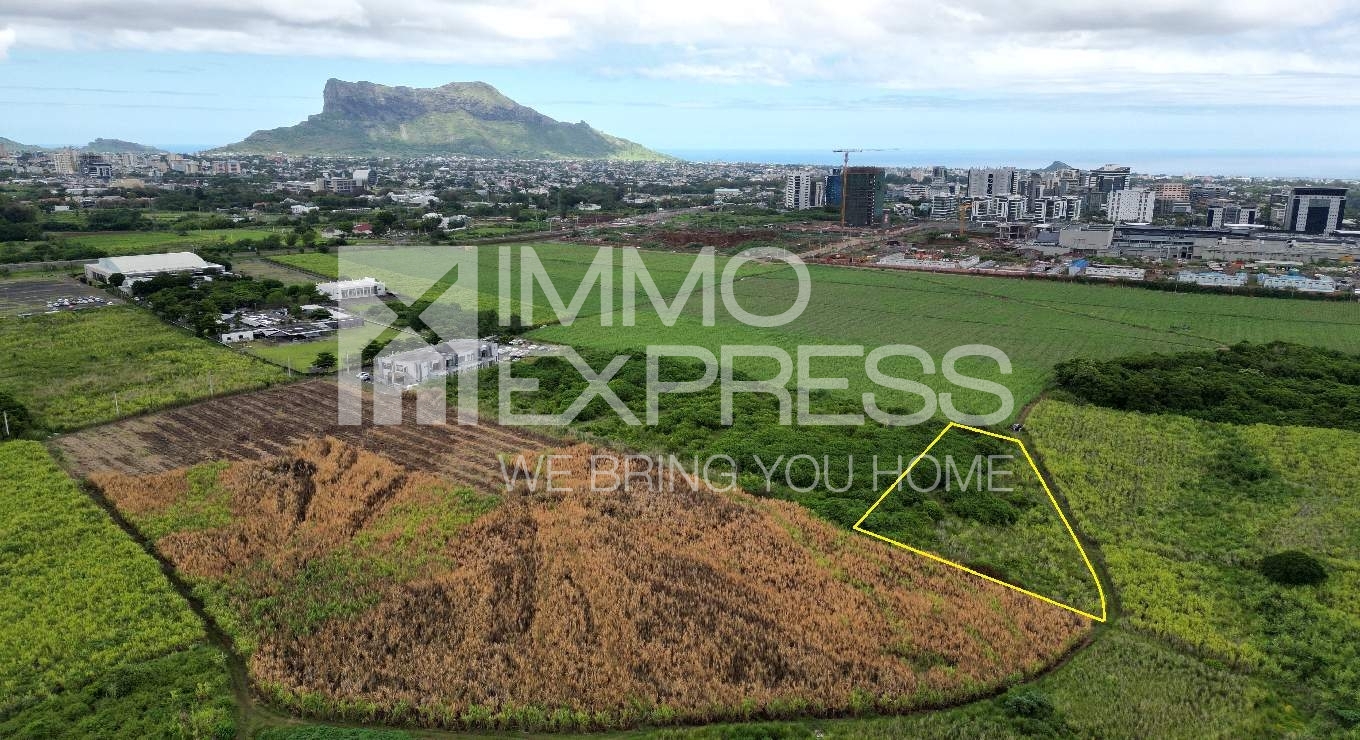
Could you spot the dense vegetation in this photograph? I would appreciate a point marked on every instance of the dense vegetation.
(369, 593)
(77, 368)
(1275, 383)
(94, 642)
(198, 305)
(1187, 514)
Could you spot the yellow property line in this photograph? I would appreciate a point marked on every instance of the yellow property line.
(1104, 612)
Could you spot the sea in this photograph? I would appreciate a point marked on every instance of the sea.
(1317, 165)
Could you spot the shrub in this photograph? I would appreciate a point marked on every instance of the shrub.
(1028, 703)
(1293, 568)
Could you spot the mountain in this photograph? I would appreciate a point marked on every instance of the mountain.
(1057, 165)
(118, 146)
(474, 118)
(11, 145)
(98, 146)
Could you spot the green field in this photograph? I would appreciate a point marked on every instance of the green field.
(1036, 324)
(67, 367)
(1184, 512)
(94, 641)
(263, 268)
(326, 264)
(139, 242)
(297, 355)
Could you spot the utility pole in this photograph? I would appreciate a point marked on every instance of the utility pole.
(116, 411)
(6, 415)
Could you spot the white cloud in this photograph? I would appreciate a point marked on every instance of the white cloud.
(7, 36)
(1158, 49)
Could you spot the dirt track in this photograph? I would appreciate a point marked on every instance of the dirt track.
(263, 424)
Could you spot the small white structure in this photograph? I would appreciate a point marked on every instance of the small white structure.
(1319, 284)
(901, 260)
(1114, 272)
(137, 267)
(243, 335)
(362, 288)
(1213, 279)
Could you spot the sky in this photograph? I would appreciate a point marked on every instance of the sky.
(1236, 77)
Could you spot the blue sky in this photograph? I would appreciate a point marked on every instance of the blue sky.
(967, 75)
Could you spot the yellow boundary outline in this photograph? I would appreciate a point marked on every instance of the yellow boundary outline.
(1104, 612)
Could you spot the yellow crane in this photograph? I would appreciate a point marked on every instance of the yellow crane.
(964, 208)
(845, 163)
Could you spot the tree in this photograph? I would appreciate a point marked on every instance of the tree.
(324, 361)
(16, 416)
(292, 239)
(117, 279)
(1293, 568)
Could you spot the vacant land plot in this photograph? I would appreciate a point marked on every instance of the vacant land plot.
(296, 356)
(317, 263)
(1186, 512)
(32, 294)
(262, 268)
(72, 369)
(385, 594)
(94, 641)
(253, 426)
(139, 242)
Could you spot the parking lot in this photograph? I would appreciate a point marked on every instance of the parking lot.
(46, 294)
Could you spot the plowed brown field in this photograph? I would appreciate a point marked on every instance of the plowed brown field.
(254, 426)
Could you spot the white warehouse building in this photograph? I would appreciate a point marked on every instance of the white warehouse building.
(138, 267)
(1115, 272)
(1319, 284)
(362, 288)
(1213, 279)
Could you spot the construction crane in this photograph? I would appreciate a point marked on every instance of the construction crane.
(964, 208)
(845, 164)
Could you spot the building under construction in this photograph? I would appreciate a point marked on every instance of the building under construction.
(863, 193)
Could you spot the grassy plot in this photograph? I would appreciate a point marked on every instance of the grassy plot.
(94, 642)
(140, 242)
(321, 263)
(67, 367)
(262, 268)
(1036, 324)
(1185, 513)
(296, 355)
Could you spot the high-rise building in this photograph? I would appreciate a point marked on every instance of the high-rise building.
(986, 182)
(798, 191)
(1134, 205)
(1109, 178)
(1221, 216)
(944, 208)
(1315, 210)
(65, 161)
(1174, 191)
(833, 187)
(863, 196)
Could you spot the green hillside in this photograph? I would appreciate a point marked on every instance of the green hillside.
(472, 118)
